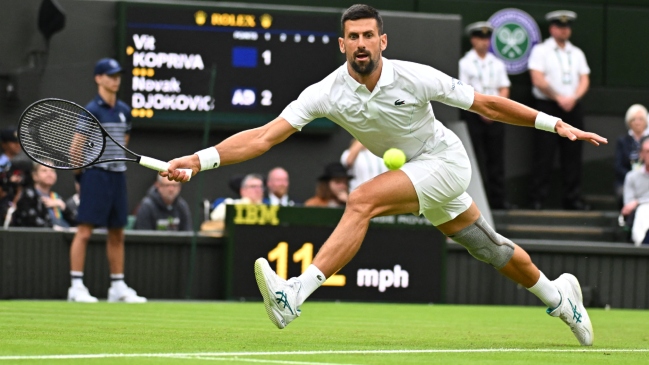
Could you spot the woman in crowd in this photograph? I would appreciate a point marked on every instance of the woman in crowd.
(627, 149)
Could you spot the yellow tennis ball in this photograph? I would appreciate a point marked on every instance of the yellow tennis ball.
(394, 158)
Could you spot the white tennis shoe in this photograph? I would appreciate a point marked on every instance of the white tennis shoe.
(280, 296)
(124, 294)
(80, 294)
(571, 309)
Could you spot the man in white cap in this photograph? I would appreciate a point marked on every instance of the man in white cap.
(560, 75)
(488, 75)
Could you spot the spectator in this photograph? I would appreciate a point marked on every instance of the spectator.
(277, 183)
(73, 205)
(488, 75)
(252, 192)
(361, 164)
(163, 209)
(332, 189)
(6, 198)
(16, 162)
(103, 198)
(560, 75)
(627, 149)
(636, 197)
(38, 205)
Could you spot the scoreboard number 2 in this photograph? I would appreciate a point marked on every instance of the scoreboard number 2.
(279, 255)
(266, 98)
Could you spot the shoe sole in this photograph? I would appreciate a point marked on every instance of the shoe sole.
(124, 301)
(260, 264)
(81, 301)
(575, 283)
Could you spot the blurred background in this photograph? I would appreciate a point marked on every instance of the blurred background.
(49, 48)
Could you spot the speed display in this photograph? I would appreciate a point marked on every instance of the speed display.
(262, 58)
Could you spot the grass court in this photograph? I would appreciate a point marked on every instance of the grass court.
(57, 332)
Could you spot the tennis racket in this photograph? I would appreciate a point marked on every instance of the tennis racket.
(65, 136)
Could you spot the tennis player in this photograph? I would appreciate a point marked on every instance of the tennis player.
(386, 103)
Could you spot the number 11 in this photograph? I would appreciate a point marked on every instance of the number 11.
(279, 254)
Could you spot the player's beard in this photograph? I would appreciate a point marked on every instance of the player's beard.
(364, 69)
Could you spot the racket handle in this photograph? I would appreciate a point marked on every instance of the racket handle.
(159, 165)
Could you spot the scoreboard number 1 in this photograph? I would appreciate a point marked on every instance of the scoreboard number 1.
(266, 56)
(279, 254)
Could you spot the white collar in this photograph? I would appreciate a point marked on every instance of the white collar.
(644, 134)
(386, 78)
(274, 199)
(472, 53)
(553, 44)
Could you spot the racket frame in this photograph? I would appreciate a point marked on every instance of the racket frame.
(149, 162)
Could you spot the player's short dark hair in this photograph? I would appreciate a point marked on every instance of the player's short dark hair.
(361, 11)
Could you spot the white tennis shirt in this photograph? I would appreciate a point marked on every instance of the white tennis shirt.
(562, 67)
(397, 113)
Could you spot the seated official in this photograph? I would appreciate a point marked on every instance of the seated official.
(163, 209)
(38, 205)
(251, 191)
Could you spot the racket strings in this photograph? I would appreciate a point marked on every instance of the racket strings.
(52, 137)
(60, 134)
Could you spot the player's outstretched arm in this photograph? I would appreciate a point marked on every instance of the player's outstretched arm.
(511, 112)
(237, 148)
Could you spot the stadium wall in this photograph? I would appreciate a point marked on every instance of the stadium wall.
(34, 265)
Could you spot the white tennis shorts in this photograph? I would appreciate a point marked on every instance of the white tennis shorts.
(441, 178)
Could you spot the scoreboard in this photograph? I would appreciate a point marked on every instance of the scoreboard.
(236, 67)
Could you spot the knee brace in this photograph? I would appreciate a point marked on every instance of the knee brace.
(485, 244)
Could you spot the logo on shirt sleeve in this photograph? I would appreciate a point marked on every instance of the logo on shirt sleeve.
(454, 82)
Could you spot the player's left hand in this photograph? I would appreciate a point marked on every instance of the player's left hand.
(185, 162)
(566, 130)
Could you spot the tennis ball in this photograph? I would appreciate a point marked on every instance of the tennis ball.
(394, 158)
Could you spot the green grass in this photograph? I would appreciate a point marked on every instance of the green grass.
(31, 328)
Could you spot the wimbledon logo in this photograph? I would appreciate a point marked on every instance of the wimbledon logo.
(515, 33)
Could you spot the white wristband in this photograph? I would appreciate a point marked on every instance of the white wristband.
(545, 122)
(209, 158)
